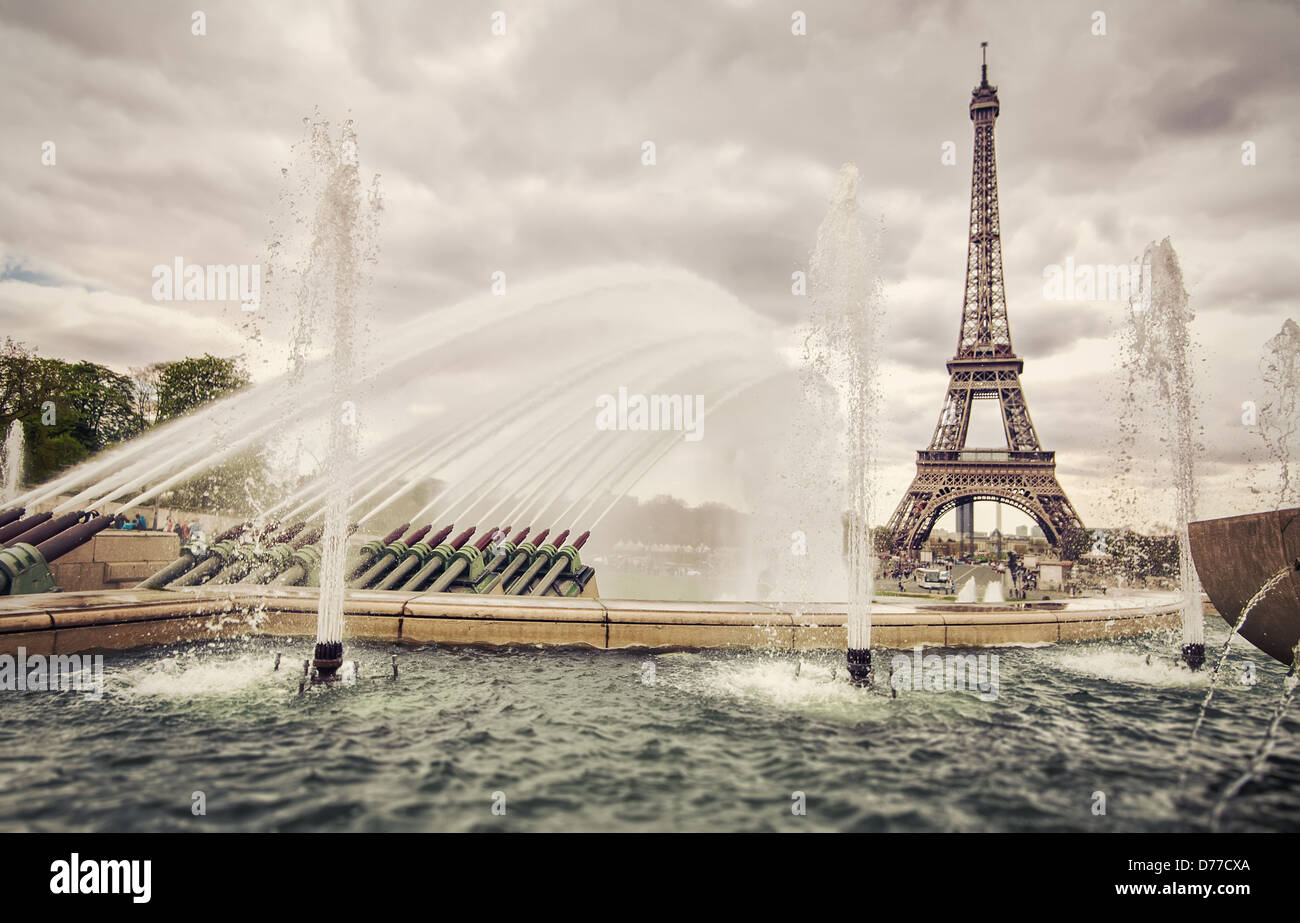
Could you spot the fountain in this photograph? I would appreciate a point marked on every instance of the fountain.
(1279, 418)
(482, 505)
(11, 463)
(342, 243)
(993, 592)
(1157, 351)
(526, 447)
(521, 447)
(841, 348)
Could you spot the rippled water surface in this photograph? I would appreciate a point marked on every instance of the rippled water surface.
(596, 741)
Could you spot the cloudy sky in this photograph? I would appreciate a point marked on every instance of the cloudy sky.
(522, 153)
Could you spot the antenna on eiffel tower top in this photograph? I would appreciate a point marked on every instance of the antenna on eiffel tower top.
(984, 98)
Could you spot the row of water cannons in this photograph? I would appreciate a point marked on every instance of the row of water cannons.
(416, 561)
(279, 555)
(290, 555)
(29, 543)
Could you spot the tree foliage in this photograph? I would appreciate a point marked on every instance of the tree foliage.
(71, 410)
(185, 385)
(1075, 543)
(1136, 555)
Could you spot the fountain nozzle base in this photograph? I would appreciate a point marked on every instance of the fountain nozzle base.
(860, 667)
(328, 659)
(327, 669)
(1193, 655)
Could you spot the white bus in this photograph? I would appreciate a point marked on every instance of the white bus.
(933, 578)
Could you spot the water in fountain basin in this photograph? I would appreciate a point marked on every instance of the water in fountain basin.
(662, 752)
(11, 463)
(967, 592)
(1227, 646)
(1266, 745)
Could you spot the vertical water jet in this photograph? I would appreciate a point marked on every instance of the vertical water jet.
(1159, 346)
(841, 347)
(342, 243)
(1279, 415)
(11, 463)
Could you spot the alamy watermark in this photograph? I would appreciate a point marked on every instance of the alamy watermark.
(668, 412)
(53, 673)
(1123, 282)
(977, 673)
(76, 875)
(183, 281)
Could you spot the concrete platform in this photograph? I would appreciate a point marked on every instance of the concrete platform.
(66, 623)
(115, 559)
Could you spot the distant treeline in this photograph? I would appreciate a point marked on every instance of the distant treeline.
(71, 410)
(667, 520)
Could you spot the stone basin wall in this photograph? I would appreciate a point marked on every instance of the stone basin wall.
(115, 559)
(65, 623)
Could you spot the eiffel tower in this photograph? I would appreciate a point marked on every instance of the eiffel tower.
(985, 367)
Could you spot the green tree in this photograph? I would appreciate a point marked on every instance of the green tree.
(1075, 543)
(1162, 554)
(68, 410)
(182, 386)
(101, 401)
(71, 410)
(144, 386)
(1136, 555)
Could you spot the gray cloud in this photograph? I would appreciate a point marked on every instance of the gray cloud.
(522, 154)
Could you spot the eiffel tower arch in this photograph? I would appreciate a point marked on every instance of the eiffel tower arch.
(985, 367)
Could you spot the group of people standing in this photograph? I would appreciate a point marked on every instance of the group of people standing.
(185, 529)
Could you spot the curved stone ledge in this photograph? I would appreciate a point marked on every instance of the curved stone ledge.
(66, 623)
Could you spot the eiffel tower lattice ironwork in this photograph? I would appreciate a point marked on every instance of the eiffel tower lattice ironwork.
(985, 366)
